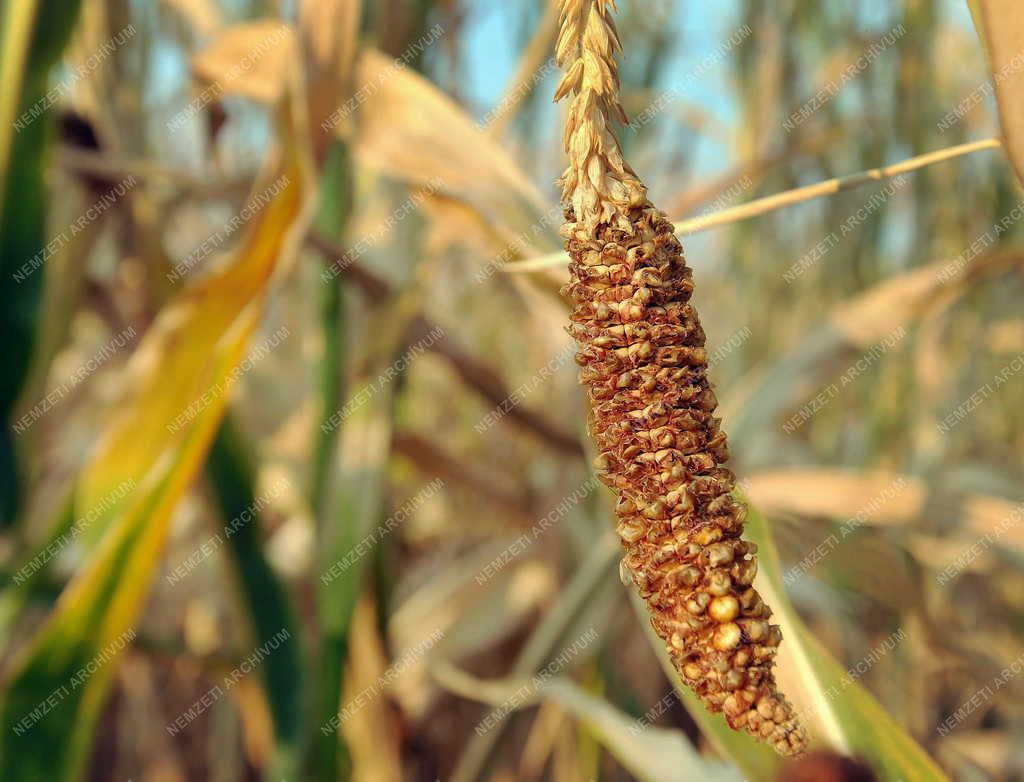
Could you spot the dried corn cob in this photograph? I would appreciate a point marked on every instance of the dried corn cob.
(642, 358)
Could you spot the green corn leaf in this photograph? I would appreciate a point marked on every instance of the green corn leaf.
(265, 597)
(33, 33)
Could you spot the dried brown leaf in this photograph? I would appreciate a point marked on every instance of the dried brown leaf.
(253, 59)
(204, 16)
(401, 115)
(1001, 27)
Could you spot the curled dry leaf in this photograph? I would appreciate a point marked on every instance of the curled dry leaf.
(252, 59)
(400, 114)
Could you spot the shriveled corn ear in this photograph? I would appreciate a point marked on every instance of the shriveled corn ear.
(642, 358)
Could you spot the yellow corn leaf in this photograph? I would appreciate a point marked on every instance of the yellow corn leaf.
(178, 385)
(170, 378)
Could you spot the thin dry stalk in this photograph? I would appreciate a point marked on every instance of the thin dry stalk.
(643, 361)
(760, 206)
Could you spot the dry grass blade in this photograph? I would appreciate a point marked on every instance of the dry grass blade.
(203, 15)
(838, 494)
(330, 31)
(331, 28)
(894, 302)
(376, 745)
(863, 321)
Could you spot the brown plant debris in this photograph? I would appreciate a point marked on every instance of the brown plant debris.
(642, 358)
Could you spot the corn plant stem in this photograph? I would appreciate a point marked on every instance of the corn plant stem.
(264, 596)
(335, 208)
(331, 382)
(772, 203)
(329, 754)
(595, 570)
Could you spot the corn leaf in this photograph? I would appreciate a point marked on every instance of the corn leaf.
(650, 754)
(836, 709)
(171, 376)
(265, 48)
(401, 114)
(265, 597)
(58, 688)
(1000, 26)
(177, 387)
(33, 33)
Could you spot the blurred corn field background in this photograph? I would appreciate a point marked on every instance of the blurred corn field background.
(295, 482)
